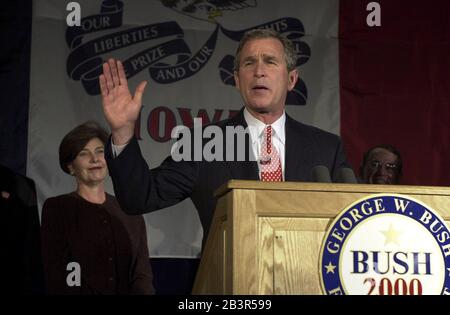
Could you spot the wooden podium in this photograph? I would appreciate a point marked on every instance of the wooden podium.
(265, 238)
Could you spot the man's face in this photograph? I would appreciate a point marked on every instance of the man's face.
(262, 78)
(381, 168)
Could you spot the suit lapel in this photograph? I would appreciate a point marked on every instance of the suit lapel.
(241, 169)
(298, 148)
(296, 152)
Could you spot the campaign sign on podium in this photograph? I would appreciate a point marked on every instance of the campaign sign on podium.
(321, 238)
(386, 244)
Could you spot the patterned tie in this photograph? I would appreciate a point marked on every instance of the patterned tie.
(270, 159)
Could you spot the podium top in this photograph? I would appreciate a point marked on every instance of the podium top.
(332, 187)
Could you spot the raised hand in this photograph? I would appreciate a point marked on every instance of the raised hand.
(120, 107)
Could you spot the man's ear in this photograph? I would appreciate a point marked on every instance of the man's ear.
(236, 79)
(292, 79)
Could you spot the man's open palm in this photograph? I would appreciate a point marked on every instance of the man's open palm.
(120, 107)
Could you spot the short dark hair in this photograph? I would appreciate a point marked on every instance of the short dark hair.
(76, 140)
(389, 148)
(289, 52)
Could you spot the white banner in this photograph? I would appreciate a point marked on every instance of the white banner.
(185, 50)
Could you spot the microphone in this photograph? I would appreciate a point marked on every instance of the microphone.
(321, 174)
(345, 175)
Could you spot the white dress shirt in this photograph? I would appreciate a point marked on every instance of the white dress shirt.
(256, 130)
(117, 149)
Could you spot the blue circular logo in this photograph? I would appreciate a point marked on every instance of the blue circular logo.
(386, 245)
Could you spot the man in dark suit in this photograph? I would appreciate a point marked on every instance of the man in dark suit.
(21, 271)
(282, 148)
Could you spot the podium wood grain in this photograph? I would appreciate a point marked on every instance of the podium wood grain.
(266, 237)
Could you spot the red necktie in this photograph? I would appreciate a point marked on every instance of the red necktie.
(270, 159)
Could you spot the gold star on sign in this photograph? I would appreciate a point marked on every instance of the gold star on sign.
(330, 267)
(391, 235)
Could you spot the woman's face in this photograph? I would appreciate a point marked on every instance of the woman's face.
(89, 166)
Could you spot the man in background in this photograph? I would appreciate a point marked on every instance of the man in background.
(381, 164)
(21, 271)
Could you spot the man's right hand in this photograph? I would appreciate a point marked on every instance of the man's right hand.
(120, 108)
